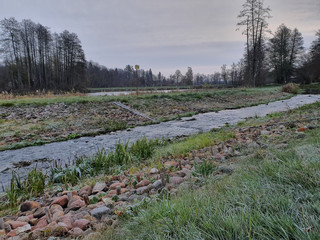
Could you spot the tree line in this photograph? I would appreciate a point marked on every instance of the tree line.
(34, 58)
(281, 57)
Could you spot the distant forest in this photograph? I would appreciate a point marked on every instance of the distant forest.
(33, 59)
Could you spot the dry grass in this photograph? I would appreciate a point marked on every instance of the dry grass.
(38, 94)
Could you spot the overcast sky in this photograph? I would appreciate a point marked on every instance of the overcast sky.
(164, 35)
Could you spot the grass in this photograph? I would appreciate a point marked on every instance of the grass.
(278, 198)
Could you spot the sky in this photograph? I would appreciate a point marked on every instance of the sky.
(164, 35)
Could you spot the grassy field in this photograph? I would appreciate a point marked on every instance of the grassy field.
(35, 120)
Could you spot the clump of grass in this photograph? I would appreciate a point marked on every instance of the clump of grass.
(290, 88)
(20, 190)
(205, 168)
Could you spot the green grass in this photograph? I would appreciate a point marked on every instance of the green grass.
(183, 96)
(278, 198)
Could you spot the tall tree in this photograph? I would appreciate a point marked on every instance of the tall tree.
(189, 76)
(253, 17)
(284, 50)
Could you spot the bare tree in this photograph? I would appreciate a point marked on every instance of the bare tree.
(253, 17)
(284, 50)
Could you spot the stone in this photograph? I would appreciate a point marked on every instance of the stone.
(108, 202)
(76, 232)
(23, 219)
(67, 220)
(86, 190)
(83, 224)
(157, 184)
(154, 171)
(22, 229)
(99, 187)
(123, 198)
(115, 185)
(302, 129)
(12, 233)
(224, 169)
(33, 221)
(57, 215)
(55, 208)
(143, 183)
(100, 211)
(41, 224)
(264, 133)
(62, 201)
(2, 233)
(112, 193)
(143, 190)
(16, 224)
(176, 180)
(29, 205)
(60, 229)
(76, 204)
(39, 213)
(170, 164)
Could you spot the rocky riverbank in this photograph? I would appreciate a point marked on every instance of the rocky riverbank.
(87, 209)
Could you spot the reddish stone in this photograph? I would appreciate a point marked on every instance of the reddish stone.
(171, 164)
(76, 232)
(67, 220)
(16, 224)
(143, 183)
(77, 204)
(81, 223)
(55, 208)
(116, 178)
(62, 201)
(302, 129)
(114, 192)
(41, 224)
(29, 205)
(12, 233)
(115, 185)
(86, 190)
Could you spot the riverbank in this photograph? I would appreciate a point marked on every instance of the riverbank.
(243, 180)
(37, 121)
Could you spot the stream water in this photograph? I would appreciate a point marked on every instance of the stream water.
(22, 160)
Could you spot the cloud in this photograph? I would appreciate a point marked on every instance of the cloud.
(163, 35)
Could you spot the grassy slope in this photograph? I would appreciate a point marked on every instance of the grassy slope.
(270, 196)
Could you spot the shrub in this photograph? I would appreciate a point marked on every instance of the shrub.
(290, 88)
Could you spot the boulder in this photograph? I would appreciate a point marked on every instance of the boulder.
(144, 189)
(157, 184)
(62, 201)
(40, 212)
(16, 224)
(86, 190)
(176, 180)
(75, 232)
(115, 185)
(99, 187)
(22, 229)
(75, 205)
(81, 223)
(100, 211)
(29, 205)
(55, 208)
(154, 171)
(143, 183)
